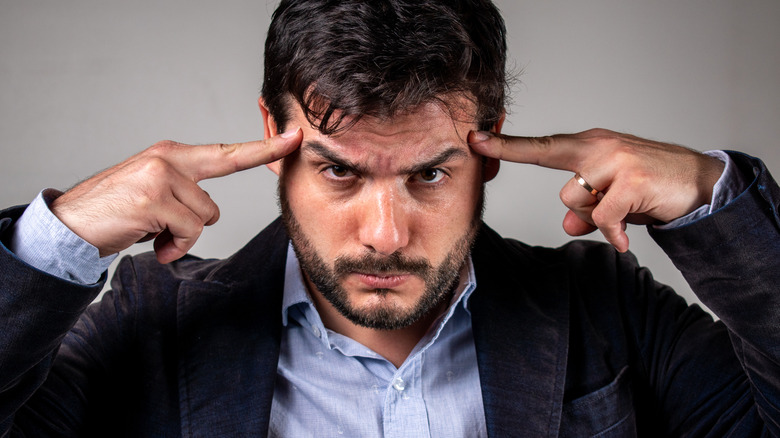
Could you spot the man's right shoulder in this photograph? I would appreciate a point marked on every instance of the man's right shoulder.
(260, 260)
(146, 266)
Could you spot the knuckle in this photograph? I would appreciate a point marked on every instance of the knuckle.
(148, 182)
(623, 156)
(544, 142)
(229, 153)
(209, 213)
(606, 139)
(150, 194)
(566, 197)
(192, 231)
(625, 152)
(599, 132)
(155, 168)
(197, 229)
(601, 218)
(227, 149)
(638, 180)
(214, 217)
(145, 201)
(190, 227)
(162, 148)
(598, 221)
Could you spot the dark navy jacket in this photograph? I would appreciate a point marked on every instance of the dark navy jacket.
(575, 341)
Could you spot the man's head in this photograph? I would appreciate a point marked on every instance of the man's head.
(384, 197)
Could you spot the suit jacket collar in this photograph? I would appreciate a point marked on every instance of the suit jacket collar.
(520, 317)
(230, 331)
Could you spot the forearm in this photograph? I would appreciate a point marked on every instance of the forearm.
(41, 240)
(36, 311)
(730, 259)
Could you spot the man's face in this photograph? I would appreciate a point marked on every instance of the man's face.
(382, 216)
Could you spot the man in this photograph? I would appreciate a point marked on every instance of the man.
(380, 304)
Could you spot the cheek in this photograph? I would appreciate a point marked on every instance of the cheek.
(442, 223)
(320, 219)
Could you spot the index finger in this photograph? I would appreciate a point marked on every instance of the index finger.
(562, 151)
(221, 159)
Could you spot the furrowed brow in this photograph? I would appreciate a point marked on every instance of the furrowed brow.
(317, 148)
(443, 156)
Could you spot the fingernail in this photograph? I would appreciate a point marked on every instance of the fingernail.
(481, 135)
(289, 133)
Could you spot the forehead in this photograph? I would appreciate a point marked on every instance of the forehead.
(395, 142)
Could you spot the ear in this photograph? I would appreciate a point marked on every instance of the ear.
(269, 130)
(492, 165)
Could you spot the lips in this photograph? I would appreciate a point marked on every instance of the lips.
(382, 281)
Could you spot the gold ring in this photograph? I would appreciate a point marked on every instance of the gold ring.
(581, 181)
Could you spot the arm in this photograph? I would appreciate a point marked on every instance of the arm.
(39, 239)
(36, 310)
(729, 256)
(730, 259)
(151, 195)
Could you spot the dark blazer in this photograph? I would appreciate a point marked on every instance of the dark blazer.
(575, 341)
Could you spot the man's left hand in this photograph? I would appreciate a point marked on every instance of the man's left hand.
(619, 179)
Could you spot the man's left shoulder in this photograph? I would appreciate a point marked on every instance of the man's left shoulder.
(511, 255)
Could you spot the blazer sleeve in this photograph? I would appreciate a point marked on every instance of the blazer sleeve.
(36, 312)
(731, 260)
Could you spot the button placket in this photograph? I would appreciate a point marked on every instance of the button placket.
(405, 409)
(399, 384)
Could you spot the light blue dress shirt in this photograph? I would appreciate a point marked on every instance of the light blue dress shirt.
(42, 241)
(328, 384)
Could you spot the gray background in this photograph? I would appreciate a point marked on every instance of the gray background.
(86, 83)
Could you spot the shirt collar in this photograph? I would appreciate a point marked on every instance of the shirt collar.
(295, 291)
(294, 287)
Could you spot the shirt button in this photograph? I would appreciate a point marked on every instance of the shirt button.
(316, 331)
(399, 384)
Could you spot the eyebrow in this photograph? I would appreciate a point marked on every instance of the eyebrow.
(440, 158)
(320, 149)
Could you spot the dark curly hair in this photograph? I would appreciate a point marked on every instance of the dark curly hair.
(345, 59)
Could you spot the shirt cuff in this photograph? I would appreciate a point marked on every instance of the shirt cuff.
(730, 184)
(42, 241)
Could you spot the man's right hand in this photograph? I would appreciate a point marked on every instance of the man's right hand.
(155, 195)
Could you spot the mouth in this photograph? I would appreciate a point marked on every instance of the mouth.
(382, 280)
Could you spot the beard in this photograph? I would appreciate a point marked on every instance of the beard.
(439, 282)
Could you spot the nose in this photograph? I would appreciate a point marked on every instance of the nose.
(383, 226)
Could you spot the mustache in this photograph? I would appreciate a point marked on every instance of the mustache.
(394, 263)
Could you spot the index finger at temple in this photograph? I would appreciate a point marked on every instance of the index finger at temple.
(221, 159)
(556, 151)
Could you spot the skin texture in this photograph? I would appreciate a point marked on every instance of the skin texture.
(154, 194)
(405, 189)
(390, 270)
(382, 217)
(640, 181)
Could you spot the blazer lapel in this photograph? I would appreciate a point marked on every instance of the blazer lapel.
(520, 323)
(230, 331)
(229, 335)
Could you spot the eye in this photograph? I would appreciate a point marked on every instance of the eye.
(336, 171)
(430, 176)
